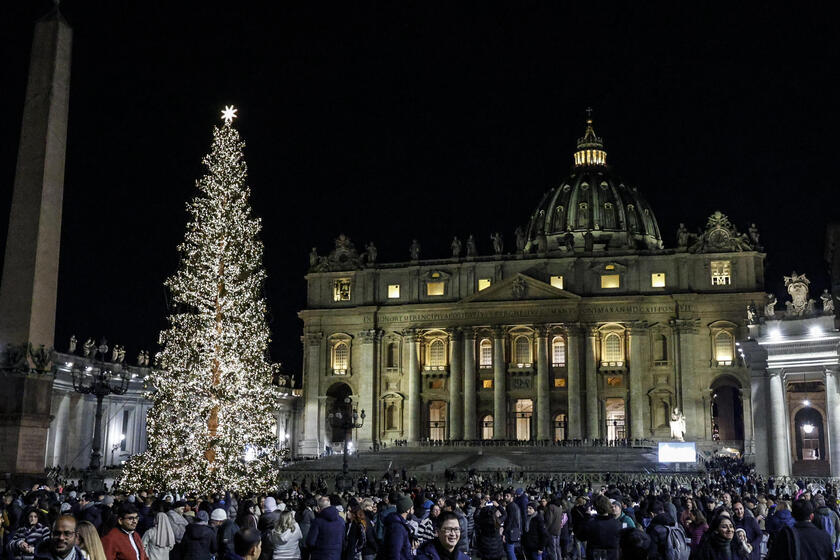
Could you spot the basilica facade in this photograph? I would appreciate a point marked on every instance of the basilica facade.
(589, 327)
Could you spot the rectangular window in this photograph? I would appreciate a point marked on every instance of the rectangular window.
(721, 273)
(435, 288)
(610, 281)
(485, 358)
(436, 384)
(341, 289)
(557, 282)
(559, 383)
(126, 421)
(657, 280)
(484, 283)
(393, 291)
(487, 383)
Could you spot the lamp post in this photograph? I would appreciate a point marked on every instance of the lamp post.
(99, 378)
(347, 419)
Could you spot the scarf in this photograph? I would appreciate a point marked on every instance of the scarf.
(722, 544)
(164, 536)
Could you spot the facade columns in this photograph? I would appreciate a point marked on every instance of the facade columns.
(499, 385)
(455, 408)
(778, 425)
(367, 387)
(543, 400)
(687, 387)
(470, 394)
(639, 358)
(574, 336)
(593, 427)
(311, 445)
(832, 402)
(412, 349)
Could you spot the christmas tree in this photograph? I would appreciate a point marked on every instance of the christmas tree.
(211, 425)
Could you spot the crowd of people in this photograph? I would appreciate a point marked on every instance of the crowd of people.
(727, 513)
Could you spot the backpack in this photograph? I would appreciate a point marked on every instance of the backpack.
(676, 545)
(827, 524)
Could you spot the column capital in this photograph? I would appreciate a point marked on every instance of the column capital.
(498, 331)
(313, 338)
(687, 326)
(573, 329)
(592, 330)
(542, 330)
(775, 372)
(638, 328)
(369, 336)
(454, 333)
(411, 334)
(470, 332)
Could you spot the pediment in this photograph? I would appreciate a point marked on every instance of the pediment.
(520, 288)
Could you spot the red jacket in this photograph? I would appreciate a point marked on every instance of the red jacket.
(118, 546)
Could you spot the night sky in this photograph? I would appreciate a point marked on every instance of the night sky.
(400, 120)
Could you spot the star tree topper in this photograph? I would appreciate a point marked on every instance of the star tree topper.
(229, 114)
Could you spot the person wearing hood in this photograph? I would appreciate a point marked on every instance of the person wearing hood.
(534, 536)
(61, 544)
(325, 540)
(824, 516)
(445, 546)
(159, 540)
(488, 538)
(199, 542)
(778, 520)
(178, 521)
(266, 525)
(397, 543)
(602, 532)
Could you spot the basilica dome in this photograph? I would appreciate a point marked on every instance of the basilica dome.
(592, 209)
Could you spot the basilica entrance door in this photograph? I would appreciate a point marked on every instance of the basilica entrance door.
(437, 420)
(615, 418)
(524, 412)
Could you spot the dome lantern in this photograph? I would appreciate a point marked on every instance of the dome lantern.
(590, 148)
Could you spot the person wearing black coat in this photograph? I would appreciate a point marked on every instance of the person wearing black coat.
(805, 540)
(89, 512)
(488, 540)
(535, 535)
(602, 532)
(199, 542)
(325, 540)
(719, 542)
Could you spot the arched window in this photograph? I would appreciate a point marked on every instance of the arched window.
(391, 416)
(522, 350)
(724, 348)
(393, 355)
(609, 216)
(660, 348)
(583, 216)
(437, 353)
(632, 220)
(487, 427)
(485, 353)
(558, 352)
(341, 357)
(559, 219)
(612, 348)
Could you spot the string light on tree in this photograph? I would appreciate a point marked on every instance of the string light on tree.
(211, 426)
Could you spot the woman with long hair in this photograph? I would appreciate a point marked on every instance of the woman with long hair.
(160, 539)
(29, 534)
(720, 543)
(87, 539)
(246, 516)
(286, 537)
(355, 536)
(697, 527)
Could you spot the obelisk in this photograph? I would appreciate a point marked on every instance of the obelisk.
(30, 270)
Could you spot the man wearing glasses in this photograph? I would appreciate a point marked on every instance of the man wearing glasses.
(445, 546)
(122, 542)
(62, 542)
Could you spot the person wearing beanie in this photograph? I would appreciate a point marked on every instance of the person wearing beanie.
(199, 542)
(225, 530)
(266, 524)
(534, 535)
(397, 543)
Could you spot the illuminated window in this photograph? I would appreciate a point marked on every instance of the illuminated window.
(487, 383)
(487, 427)
(657, 280)
(558, 352)
(557, 282)
(341, 289)
(341, 358)
(612, 348)
(484, 283)
(437, 353)
(560, 427)
(610, 281)
(609, 267)
(724, 348)
(559, 382)
(393, 291)
(485, 353)
(435, 288)
(436, 384)
(721, 273)
(522, 351)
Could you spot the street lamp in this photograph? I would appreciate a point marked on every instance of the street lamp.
(99, 378)
(346, 418)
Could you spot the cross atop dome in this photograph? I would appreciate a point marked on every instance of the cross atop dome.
(590, 148)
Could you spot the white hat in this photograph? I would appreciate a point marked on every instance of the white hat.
(281, 506)
(270, 504)
(218, 514)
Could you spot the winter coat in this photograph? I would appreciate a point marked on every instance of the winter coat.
(224, 537)
(464, 540)
(754, 534)
(513, 524)
(658, 534)
(554, 520)
(307, 516)
(397, 543)
(813, 543)
(286, 544)
(91, 513)
(695, 533)
(117, 545)
(371, 544)
(43, 552)
(779, 521)
(602, 533)
(536, 536)
(432, 550)
(325, 540)
(199, 542)
(354, 540)
(179, 524)
(715, 548)
(32, 535)
(488, 541)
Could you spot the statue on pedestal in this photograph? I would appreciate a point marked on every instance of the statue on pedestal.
(770, 307)
(497, 243)
(797, 286)
(682, 237)
(827, 302)
(414, 250)
(89, 348)
(371, 252)
(456, 247)
(678, 425)
(752, 313)
(520, 239)
(72, 348)
(471, 249)
(569, 242)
